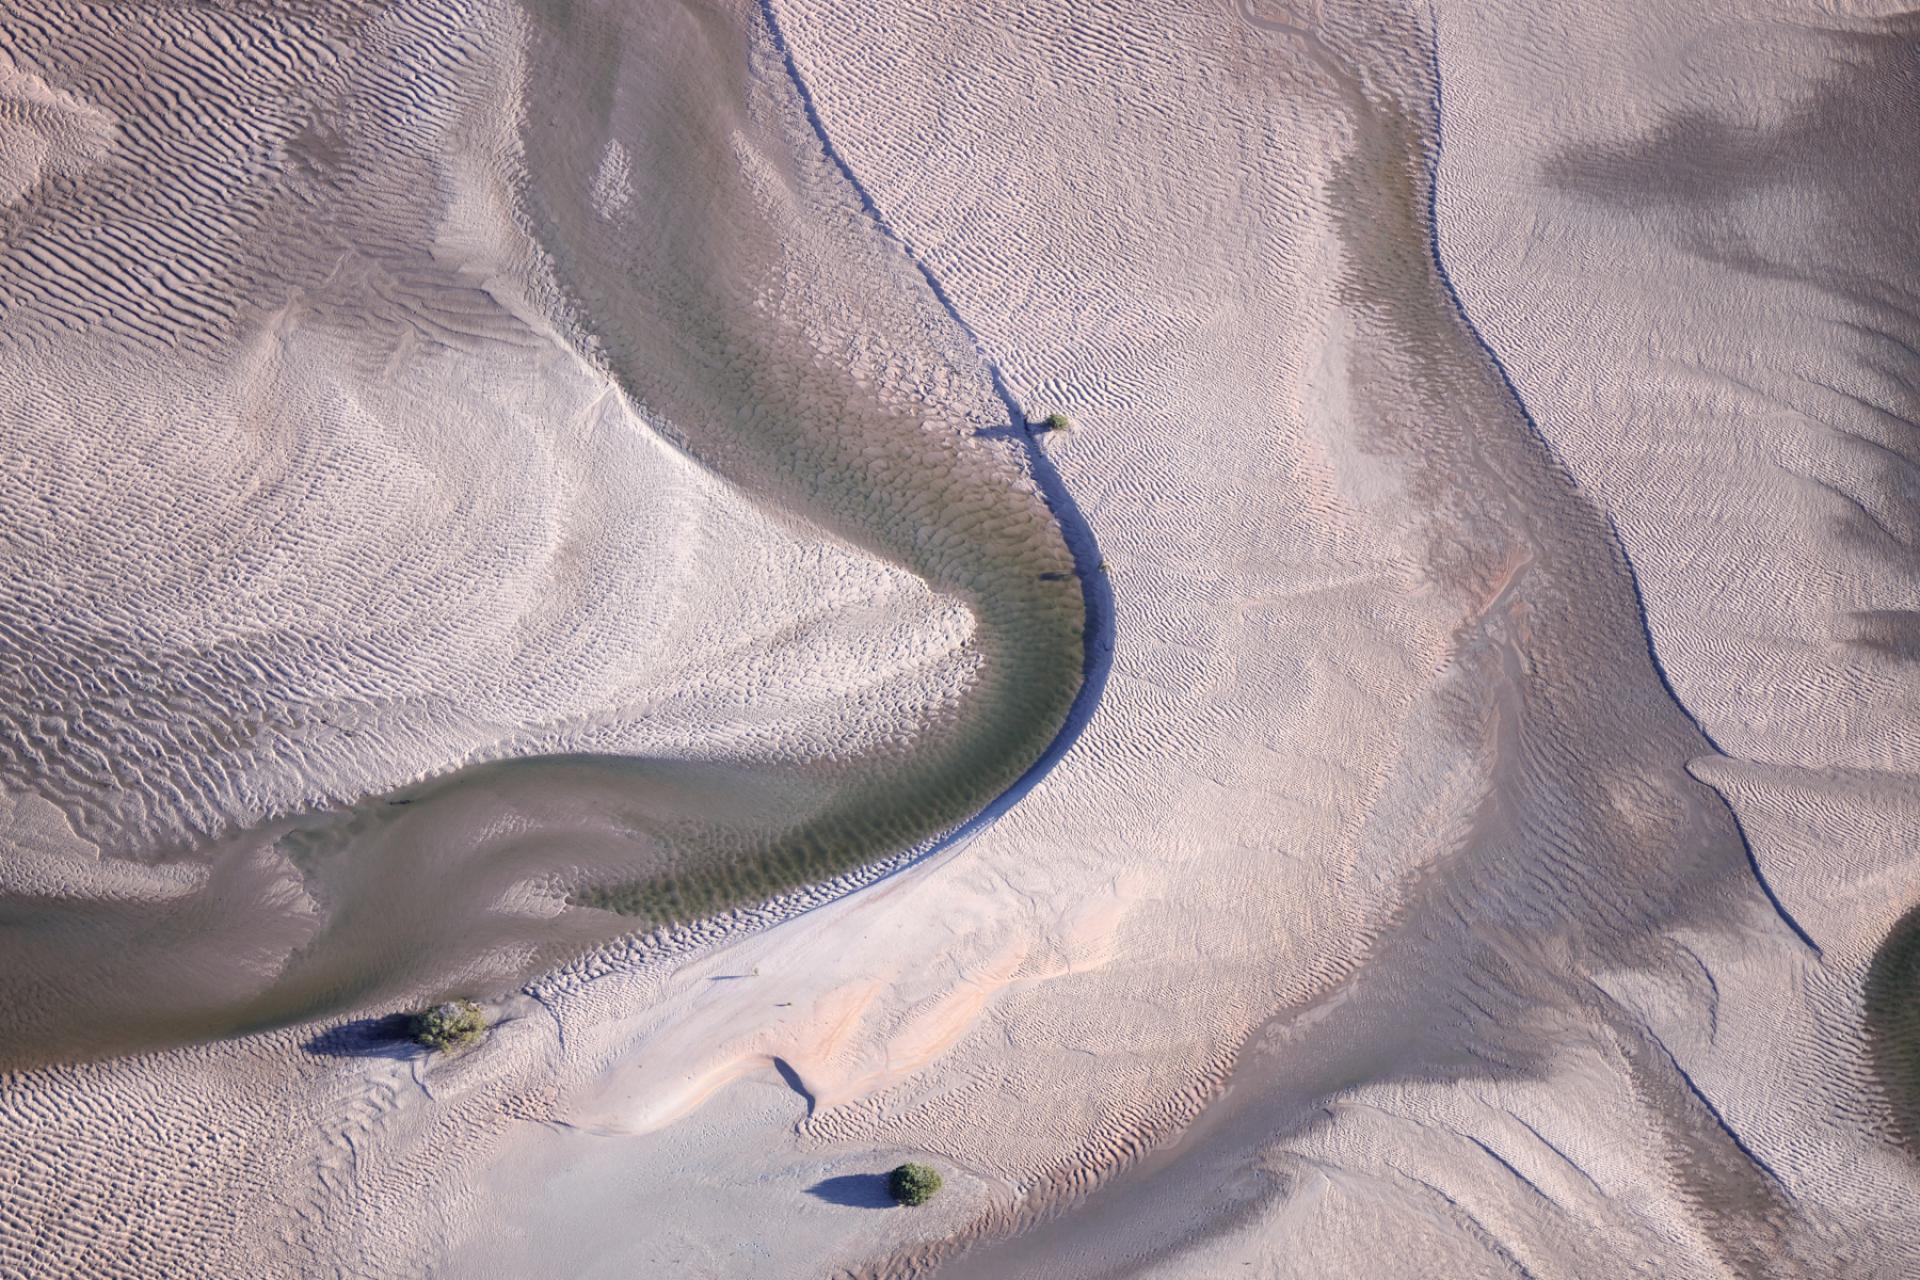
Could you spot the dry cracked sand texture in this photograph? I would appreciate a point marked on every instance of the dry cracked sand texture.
(474, 464)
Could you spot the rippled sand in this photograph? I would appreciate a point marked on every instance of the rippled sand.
(442, 498)
(537, 500)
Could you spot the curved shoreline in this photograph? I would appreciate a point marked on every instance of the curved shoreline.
(1096, 592)
(322, 980)
(1097, 637)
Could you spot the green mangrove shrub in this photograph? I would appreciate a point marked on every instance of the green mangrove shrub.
(452, 1025)
(913, 1183)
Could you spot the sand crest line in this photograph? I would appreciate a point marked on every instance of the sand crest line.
(1096, 592)
(1097, 629)
(1613, 531)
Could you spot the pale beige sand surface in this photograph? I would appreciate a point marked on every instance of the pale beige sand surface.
(378, 507)
(1476, 860)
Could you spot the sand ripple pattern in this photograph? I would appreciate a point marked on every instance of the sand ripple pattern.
(214, 180)
(228, 142)
(379, 418)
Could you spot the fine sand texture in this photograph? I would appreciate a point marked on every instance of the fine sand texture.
(540, 501)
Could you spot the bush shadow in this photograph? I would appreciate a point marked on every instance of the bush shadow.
(384, 1037)
(855, 1191)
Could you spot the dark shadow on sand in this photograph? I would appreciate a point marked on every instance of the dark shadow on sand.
(1893, 1028)
(384, 1037)
(854, 1190)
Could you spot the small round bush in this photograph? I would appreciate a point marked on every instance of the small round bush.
(1056, 422)
(913, 1183)
(449, 1026)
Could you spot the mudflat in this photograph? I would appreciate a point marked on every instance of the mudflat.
(555, 503)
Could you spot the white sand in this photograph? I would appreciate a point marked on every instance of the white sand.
(1387, 919)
